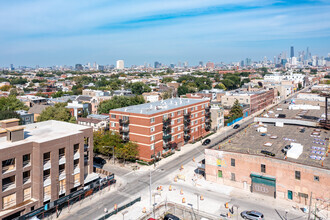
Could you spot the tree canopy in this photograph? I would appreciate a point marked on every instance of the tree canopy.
(236, 111)
(119, 102)
(139, 87)
(11, 103)
(57, 112)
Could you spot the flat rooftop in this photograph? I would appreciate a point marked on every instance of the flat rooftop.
(44, 131)
(250, 141)
(159, 106)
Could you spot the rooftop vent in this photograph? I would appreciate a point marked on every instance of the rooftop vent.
(9, 123)
(15, 133)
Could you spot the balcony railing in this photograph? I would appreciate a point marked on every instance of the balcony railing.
(186, 129)
(8, 186)
(187, 114)
(123, 121)
(208, 120)
(167, 144)
(9, 168)
(208, 114)
(207, 108)
(124, 129)
(208, 127)
(125, 138)
(26, 163)
(167, 136)
(26, 180)
(166, 120)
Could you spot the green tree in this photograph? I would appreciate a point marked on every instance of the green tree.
(5, 88)
(247, 80)
(8, 114)
(103, 141)
(220, 86)
(129, 151)
(139, 87)
(229, 84)
(11, 103)
(119, 102)
(236, 111)
(57, 112)
(167, 79)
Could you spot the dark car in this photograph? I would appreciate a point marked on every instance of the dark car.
(236, 126)
(252, 215)
(268, 153)
(281, 116)
(302, 130)
(99, 160)
(171, 217)
(263, 134)
(206, 142)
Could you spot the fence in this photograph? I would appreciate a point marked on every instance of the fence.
(234, 121)
(108, 215)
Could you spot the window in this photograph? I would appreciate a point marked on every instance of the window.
(9, 201)
(196, 115)
(179, 120)
(202, 119)
(233, 178)
(202, 125)
(27, 194)
(316, 178)
(26, 159)
(192, 116)
(152, 129)
(179, 112)
(179, 136)
(113, 116)
(192, 108)
(192, 130)
(172, 114)
(172, 122)
(196, 129)
(152, 147)
(263, 168)
(172, 139)
(179, 128)
(165, 116)
(152, 138)
(152, 120)
(202, 113)
(113, 124)
(196, 122)
(220, 173)
(232, 162)
(196, 107)
(172, 130)
(297, 175)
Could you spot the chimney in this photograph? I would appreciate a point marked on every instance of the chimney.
(9, 123)
(15, 133)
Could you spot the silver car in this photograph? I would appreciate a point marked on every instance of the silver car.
(252, 215)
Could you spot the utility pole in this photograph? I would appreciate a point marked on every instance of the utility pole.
(150, 191)
(310, 206)
(113, 154)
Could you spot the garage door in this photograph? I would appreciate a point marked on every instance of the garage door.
(263, 185)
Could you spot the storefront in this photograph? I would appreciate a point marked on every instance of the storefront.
(265, 185)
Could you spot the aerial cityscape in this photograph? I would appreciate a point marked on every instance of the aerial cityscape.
(167, 110)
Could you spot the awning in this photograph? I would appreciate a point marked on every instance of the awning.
(266, 180)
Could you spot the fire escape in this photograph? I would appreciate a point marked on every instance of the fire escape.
(124, 128)
(186, 128)
(167, 133)
(208, 118)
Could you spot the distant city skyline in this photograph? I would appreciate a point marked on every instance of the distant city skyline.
(49, 33)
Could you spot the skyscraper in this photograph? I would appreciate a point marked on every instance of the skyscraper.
(201, 63)
(292, 52)
(120, 64)
(157, 64)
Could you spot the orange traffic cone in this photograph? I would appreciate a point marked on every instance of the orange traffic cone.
(175, 179)
(181, 167)
(183, 200)
(226, 205)
(228, 214)
(202, 198)
(144, 210)
(170, 188)
(115, 207)
(193, 159)
(181, 192)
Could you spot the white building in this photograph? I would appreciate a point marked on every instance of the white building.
(120, 64)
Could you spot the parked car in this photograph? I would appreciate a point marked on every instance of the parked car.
(268, 153)
(263, 134)
(281, 116)
(99, 160)
(286, 148)
(171, 217)
(206, 142)
(302, 130)
(236, 126)
(252, 215)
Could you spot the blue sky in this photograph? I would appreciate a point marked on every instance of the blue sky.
(56, 32)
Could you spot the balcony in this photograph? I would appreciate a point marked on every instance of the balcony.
(76, 155)
(26, 163)
(186, 137)
(186, 129)
(166, 121)
(207, 108)
(187, 114)
(47, 164)
(8, 186)
(123, 121)
(8, 169)
(208, 127)
(167, 144)
(208, 121)
(187, 120)
(61, 159)
(62, 174)
(207, 114)
(125, 138)
(166, 128)
(76, 169)
(47, 180)
(123, 130)
(167, 136)
(26, 180)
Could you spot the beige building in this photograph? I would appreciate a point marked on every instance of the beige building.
(217, 117)
(42, 162)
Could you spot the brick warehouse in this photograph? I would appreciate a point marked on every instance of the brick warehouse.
(42, 162)
(162, 126)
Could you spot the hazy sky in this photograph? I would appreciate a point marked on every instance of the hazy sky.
(56, 32)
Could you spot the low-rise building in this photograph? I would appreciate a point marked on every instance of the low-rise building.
(42, 162)
(162, 126)
(78, 109)
(26, 118)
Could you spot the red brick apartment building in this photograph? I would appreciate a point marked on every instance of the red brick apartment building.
(42, 162)
(261, 99)
(161, 126)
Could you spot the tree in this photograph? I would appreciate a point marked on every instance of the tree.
(139, 87)
(129, 151)
(313, 71)
(167, 94)
(247, 80)
(57, 112)
(8, 114)
(236, 111)
(229, 84)
(5, 88)
(11, 103)
(119, 102)
(220, 86)
(103, 141)
(167, 79)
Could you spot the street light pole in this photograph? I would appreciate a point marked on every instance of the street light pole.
(150, 190)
